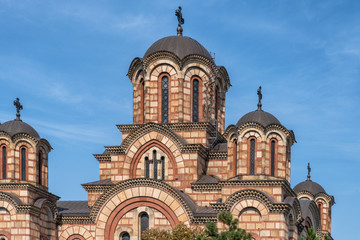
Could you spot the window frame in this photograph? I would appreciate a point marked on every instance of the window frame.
(252, 166)
(160, 97)
(273, 156)
(3, 163)
(200, 99)
(23, 163)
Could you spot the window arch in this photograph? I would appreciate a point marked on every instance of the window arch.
(252, 155)
(23, 163)
(235, 156)
(165, 99)
(273, 156)
(3, 161)
(124, 236)
(144, 222)
(195, 100)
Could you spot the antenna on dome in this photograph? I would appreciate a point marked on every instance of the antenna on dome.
(181, 21)
(18, 108)
(309, 170)
(260, 97)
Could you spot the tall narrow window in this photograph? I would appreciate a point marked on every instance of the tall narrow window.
(23, 164)
(142, 85)
(162, 168)
(235, 157)
(320, 210)
(165, 99)
(40, 166)
(195, 103)
(273, 144)
(252, 156)
(155, 165)
(217, 101)
(147, 167)
(4, 161)
(144, 222)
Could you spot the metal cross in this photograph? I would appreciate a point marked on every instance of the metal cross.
(260, 97)
(309, 170)
(18, 108)
(181, 21)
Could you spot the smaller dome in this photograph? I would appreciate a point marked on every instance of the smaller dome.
(309, 186)
(259, 116)
(178, 45)
(17, 126)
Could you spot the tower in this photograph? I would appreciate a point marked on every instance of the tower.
(27, 208)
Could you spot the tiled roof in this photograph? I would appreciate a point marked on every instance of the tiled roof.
(73, 208)
(206, 179)
(99, 182)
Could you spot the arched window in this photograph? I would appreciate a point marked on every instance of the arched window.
(144, 222)
(142, 93)
(124, 236)
(23, 164)
(4, 162)
(165, 99)
(195, 100)
(252, 156)
(155, 167)
(40, 162)
(2, 237)
(273, 156)
(155, 164)
(162, 168)
(320, 206)
(217, 102)
(147, 167)
(235, 156)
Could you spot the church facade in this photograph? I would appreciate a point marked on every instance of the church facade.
(178, 162)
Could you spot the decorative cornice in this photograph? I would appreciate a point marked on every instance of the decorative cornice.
(217, 155)
(97, 188)
(75, 220)
(102, 157)
(243, 183)
(190, 148)
(30, 187)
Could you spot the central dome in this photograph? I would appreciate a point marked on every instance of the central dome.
(180, 46)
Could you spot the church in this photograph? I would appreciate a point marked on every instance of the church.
(177, 162)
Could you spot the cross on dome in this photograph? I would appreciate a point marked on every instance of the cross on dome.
(18, 108)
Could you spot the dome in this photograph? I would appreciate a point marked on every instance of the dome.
(309, 186)
(17, 126)
(180, 46)
(259, 116)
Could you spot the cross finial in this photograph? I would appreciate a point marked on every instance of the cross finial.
(309, 170)
(18, 108)
(260, 97)
(181, 21)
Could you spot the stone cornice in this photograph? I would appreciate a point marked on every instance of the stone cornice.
(75, 220)
(102, 157)
(217, 155)
(97, 188)
(243, 183)
(30, 187)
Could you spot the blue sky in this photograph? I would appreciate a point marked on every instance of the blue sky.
(67, 62)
